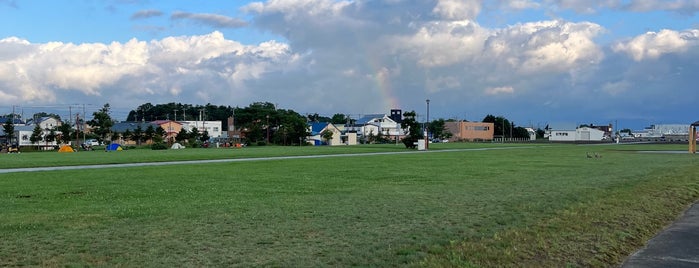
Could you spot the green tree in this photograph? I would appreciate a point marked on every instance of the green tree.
(128, 135)
(149, 133)
(9, 128)
(327, 135)
(102, 122)
(204, 136)
(66, 132)
(193, 136)
(51, 136)
(182, 136)
(414, 130)
(159, 135)
(501, 124)
(438, 129)
(338, 119)
(137, 135)
(37, 135)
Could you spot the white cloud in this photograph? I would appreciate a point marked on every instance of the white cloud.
(500, 90)
(458, 9)
(167, 67)
(653, 45)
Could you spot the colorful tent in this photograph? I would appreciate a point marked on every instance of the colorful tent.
(66, 149)
(113, 147)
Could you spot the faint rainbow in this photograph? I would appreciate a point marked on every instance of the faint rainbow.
(382, 78)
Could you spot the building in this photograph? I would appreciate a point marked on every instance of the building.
(45, 122)
(213, 128)
(122, 127)
(470, 131)
(171, 128)
(575, 134)
(316, 131)
(373, 124)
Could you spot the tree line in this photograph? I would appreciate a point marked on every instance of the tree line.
(261, 123)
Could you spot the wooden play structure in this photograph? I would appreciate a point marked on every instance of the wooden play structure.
(693, 137)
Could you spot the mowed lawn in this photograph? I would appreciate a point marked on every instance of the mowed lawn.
(541, 205)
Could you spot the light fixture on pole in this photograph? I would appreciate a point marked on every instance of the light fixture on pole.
(427, 127)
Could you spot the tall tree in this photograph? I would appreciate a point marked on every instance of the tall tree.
(51, 136)
(66, 132)
(137, 135)
(182, 135)
(102, 122)
(502, 125)
(159, 135)
(339, 119)
(127, 135)
(37, 135)
(9, 128)
(149, 133)
(414, 130)
(439, 130)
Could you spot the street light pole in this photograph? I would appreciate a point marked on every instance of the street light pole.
(427, 128)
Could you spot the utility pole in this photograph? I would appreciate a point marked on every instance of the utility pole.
(427, 126)
(267, 129)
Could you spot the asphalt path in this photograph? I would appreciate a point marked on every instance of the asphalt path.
(190, 162)
(676, 246)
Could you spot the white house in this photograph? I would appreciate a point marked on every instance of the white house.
(45, 122)
(575, 134)
(212, 127)
(377, 123)
(23, 135)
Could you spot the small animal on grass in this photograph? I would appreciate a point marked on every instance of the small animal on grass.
(589, 155)
(598, 155)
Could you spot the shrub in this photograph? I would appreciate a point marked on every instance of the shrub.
(158, 146)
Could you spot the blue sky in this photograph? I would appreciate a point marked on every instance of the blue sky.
(534, 62)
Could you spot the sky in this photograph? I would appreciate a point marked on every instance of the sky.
(628, 62)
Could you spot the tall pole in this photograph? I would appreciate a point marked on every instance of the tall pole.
(83, 119)
(427, 127)
(267, 129)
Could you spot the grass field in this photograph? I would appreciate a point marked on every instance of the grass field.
(541, 205)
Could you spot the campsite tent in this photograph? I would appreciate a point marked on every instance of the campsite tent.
(113, 147)
(177, 146)
(66, 149)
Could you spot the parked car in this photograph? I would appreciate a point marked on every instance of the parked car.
(91, 142)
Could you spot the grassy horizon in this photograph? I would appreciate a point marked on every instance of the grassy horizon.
(540, 206)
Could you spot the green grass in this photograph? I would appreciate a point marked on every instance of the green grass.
(540, 206)
(53, 158)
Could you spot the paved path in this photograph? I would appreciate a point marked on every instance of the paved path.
(36, 169)
(676, 246)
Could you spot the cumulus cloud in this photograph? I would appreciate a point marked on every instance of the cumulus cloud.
(214, 20)
(168, 67)
(144, 14)
(653, 45)
(458, 9)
